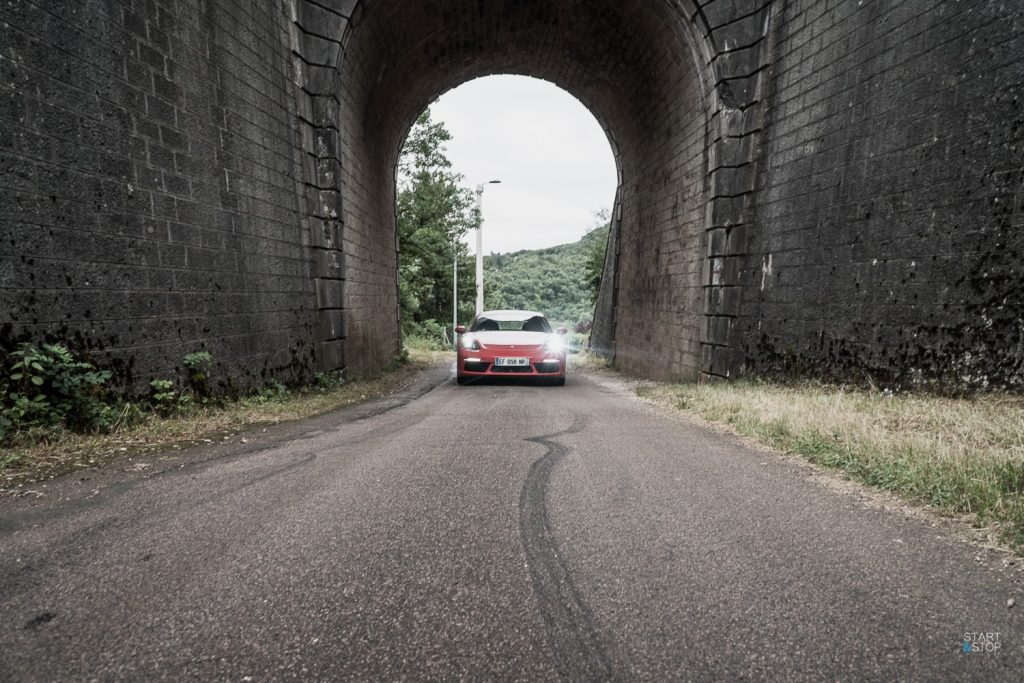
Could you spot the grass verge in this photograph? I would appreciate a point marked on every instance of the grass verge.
(959, 456)
(44, 456)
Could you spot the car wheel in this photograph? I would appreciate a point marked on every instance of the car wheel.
(557, 381)
(462, 380)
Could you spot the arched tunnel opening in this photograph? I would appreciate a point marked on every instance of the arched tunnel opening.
(534, 166)
(633, 66)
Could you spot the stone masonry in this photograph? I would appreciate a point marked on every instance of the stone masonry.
(889, 241)
(149, 203)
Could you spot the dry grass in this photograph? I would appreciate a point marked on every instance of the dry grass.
(52, 454)
(585, 360)
(956, 455)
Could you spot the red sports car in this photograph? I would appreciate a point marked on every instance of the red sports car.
(511, 344)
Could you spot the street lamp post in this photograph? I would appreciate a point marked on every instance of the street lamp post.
(480, 244)
(455, 293)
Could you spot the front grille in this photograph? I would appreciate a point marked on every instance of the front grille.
(547, 367)
(479, 366)
(513, 369)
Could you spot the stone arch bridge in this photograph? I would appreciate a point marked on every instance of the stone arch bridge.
(821, 187)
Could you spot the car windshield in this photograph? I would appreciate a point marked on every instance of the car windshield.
(535, 324)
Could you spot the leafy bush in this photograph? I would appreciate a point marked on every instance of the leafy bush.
(271, 391)
(48, 388)
(427, 334)
(164, 399)
(198, 364)
(398, 361)
(327, 381)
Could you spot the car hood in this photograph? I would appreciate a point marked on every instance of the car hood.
(529, 339)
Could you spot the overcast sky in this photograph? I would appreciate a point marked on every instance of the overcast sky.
(553, 159)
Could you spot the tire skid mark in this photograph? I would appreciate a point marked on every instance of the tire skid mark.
(313, 435)
(579, 653)
(274, 471)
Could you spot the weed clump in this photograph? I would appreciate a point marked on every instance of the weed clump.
(47, 388)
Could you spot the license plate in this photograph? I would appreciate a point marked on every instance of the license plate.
(502, 362)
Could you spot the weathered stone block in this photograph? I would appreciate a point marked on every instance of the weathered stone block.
(718, 329)
(737, 240)
(732, 181)
(741, 33)
(321, 80)
(320, 20)
(329, 293)
(329, 263)
(725, 362)
(330, 356)
(717, 242)
(739, 63)
(330, 325)
(720, 12)
(325, 111)
(319, 51)
(346, 8)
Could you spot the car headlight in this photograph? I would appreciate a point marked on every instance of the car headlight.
(470, 342)
(555, 343)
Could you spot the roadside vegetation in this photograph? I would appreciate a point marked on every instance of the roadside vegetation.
(433, 214)
(57, 416)
(959, 456)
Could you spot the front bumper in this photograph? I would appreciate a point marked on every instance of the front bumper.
(476, 366)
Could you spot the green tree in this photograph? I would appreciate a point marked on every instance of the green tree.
(433, 213)
(560, 281)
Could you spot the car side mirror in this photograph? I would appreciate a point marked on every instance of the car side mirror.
(461, 329)
(561, 330)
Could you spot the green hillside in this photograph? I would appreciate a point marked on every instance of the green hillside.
(557, 281)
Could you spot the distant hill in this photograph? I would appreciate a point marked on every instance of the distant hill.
(552, 281)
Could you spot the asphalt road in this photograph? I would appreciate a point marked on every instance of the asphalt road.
(496, 532)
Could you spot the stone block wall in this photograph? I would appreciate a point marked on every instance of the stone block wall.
(659, 310)
(151, 204)
(735, 54)
(889, 234)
